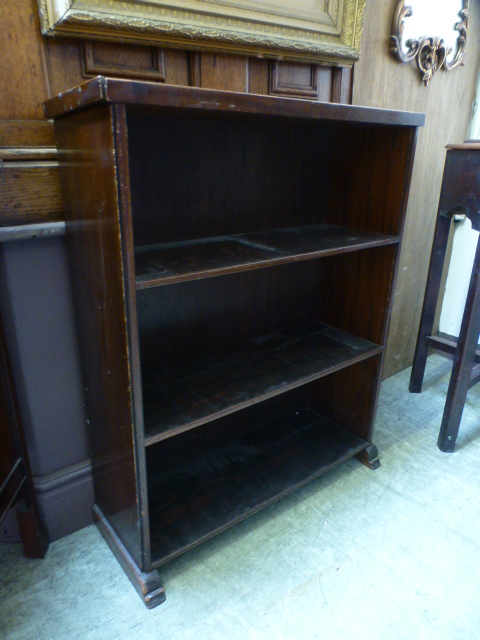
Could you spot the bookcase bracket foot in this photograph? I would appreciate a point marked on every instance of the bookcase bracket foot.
(369, 457)
(148, 585)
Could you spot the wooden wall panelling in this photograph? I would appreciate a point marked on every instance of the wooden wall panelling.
(346, 85)
(219, 71)
(29, 180)
(29, 193)
(27, 133)
(23, 77)
(177, 66)
(259, 76)
(381, 81)
(336, 85)
(64, 64)
(295, 80)
(115, 59)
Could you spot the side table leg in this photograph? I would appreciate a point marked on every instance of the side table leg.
(432, 290)
(463, 363)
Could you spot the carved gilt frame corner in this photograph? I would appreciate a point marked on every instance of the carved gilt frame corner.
(289, 30)
(429, 52)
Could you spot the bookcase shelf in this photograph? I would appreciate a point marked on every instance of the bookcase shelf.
(212, 385)
(195, 259)
(276, 224)
(194, 501)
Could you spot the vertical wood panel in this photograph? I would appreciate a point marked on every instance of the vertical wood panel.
(381, 81)
(220, 71)
(64, 64)
(114, 59)
(258, 80)
(294, 80)
(176, 66)
(23, 77)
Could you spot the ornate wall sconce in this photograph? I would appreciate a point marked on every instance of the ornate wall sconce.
(429, 52)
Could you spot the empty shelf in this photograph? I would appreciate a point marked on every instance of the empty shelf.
(203, 496)
(191, 260)
(186, 395)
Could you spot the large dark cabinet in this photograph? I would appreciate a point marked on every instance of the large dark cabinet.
(233, 259)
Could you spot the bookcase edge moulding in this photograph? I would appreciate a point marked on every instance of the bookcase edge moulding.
(233, 260)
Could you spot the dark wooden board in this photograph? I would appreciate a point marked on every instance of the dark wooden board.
(448, 346)
(30, 193)
(203, 496)
(188, 394)
(192, 260)
(94, 242)
(101, 89)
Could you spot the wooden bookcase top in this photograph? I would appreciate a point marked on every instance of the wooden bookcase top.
(102, 89)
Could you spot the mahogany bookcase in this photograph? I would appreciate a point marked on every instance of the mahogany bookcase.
(233, 259)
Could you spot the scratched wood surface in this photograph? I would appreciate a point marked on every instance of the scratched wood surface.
(201, 497)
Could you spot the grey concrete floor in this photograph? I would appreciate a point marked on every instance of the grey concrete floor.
(393, 553)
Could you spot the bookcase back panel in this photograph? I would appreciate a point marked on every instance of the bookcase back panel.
(198, 177)
(202, 177)
(185, 446)
(180, 320)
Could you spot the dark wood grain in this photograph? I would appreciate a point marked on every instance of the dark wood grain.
(372, 168)
(149, 93)
(284, 360)
(242, 177)
(193, 260)
(463, 376)
(27, 133)
(30, 192)
(182, 320)
(459, 193)
(358, 281)
(148, 585)
(448, 346)
(88, 157)
(115, 59)
(203, 496)
(344, 398)
(212, 385)
(126, 226)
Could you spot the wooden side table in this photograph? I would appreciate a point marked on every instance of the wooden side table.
(16, 484)
(460, 195)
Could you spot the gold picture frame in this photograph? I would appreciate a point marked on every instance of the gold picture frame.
(326, 31)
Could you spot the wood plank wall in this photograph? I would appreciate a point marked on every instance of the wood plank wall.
(34, 68)
(381, 81)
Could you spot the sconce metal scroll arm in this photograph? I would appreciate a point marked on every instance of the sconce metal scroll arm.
(429, 52)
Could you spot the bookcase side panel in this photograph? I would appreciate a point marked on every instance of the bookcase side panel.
(372, 178)
(89, 185)
(356, 289)
(349, 396)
